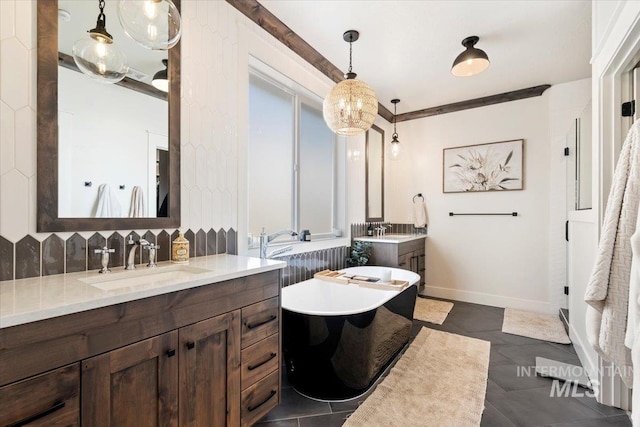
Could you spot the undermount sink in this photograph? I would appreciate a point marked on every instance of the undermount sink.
(147, 277)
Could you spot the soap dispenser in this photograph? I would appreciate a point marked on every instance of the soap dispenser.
(370, 230)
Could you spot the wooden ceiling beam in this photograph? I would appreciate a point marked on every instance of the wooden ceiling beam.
(474, 103)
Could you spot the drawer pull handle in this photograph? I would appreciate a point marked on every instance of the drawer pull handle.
(29, 420)
(171, 352)
(422, 269)
(402, 263)
(422, 256)
(255, 325)
(191, 345)
(257, 365)
(253, 408)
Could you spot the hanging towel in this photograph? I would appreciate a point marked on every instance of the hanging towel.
(608, 287)
(136, 209)
(420, 219)
(633, 324)
(107, 205)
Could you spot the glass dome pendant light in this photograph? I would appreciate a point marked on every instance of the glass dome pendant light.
(394, 152)
(153, 24)
(97, 56)
(351, 106)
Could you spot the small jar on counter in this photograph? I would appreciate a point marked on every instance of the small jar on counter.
(180, 250)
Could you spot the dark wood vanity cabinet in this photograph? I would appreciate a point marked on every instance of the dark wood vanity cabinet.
(206, 356)
(409, 255)
(49, 399)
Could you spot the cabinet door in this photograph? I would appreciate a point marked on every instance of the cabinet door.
(422, 265)
(210, 372)
(132, 386)
(50, 399)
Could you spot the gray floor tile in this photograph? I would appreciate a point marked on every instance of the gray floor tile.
(529, 408)
(514, 377)
(605, 410)
(472, 319)
(525, 355)
(491, 417)
(294, 405)
(331, 420)
(494, 392)
(618, 421)
(282, 423)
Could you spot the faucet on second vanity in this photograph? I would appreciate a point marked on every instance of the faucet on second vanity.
(131, 251)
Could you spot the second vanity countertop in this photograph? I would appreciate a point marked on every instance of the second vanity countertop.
(29, 300)
(391, 238)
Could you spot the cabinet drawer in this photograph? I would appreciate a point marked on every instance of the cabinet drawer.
(259, 399)
(404, 261)
(50, 399)
(260, 321)
(259, 360)
(410, 246)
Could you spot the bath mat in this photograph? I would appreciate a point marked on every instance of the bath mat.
(441, 380)
(545, 327)
(431, 310)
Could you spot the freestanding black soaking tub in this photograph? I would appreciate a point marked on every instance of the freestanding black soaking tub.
(338, 339)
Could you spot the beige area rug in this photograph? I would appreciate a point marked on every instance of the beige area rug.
(440, 381)
(546, 327)
(432, 311)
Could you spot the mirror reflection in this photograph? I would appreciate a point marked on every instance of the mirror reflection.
(374, 174)
(113, 138)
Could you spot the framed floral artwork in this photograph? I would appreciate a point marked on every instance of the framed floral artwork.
(496, 166)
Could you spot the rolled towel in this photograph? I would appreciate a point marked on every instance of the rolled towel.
(420, 219)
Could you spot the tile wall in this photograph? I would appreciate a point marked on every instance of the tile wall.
(30, 257)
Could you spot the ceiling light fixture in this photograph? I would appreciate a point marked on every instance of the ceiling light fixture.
(351, 107)
(97, 56)
(160, 80)
(154, 24)
(394, 152)
(470, 62)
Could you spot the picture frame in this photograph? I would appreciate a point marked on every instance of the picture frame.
(493, 166)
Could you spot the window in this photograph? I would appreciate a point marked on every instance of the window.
(291, 160)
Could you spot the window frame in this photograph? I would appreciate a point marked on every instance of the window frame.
(301, 95)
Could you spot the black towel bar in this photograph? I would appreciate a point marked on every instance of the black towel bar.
(485, 214)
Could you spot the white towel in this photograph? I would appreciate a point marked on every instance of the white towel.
(420, 219)
(136, 209)
(107, 205)
(608, 287)
(632, 339)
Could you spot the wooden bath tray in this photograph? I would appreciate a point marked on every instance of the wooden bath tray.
(338, 277)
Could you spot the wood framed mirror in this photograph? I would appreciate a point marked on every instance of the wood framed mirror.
(53, 213)
(374, 175)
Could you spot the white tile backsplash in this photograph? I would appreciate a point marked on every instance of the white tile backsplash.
(204, 133)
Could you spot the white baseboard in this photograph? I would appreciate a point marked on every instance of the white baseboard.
(587, 363)
(489, 299)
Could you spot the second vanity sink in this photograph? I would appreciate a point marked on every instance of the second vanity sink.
(142, 276)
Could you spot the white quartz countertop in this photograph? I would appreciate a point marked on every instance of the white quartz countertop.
(391, 238)
(29, 300)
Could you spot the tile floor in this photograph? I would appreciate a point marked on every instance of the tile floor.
(511, 399)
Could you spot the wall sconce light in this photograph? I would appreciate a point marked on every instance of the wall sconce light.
(97, 56)
(160, 79)
(351, 107)
(154, 24)
(472, 61)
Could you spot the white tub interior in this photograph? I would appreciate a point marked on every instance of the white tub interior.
(322, 298)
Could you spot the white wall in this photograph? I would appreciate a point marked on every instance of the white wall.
(503, 261)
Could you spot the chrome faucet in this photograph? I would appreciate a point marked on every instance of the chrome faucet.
(152, 248)
(266, 239)
(131, 250)
(104, 258)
